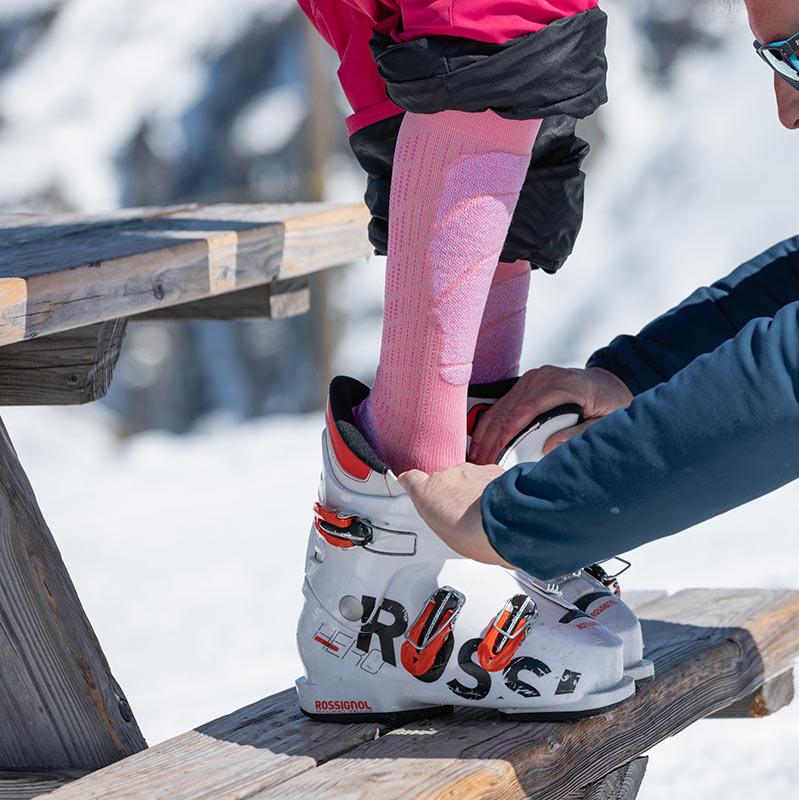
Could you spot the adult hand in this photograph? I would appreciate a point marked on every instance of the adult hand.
(596, 390)
(449, 502)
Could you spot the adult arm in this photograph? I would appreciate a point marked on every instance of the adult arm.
(724, 430)
(706, 319)
(631, 365)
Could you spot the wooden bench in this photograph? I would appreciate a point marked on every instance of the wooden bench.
(68, 286)
(717, 653)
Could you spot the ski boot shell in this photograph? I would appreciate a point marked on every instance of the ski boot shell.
(396, 625)
(592, 590)
(598, 594)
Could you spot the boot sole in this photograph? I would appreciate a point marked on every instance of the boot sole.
(559, 716)
(415, 715)
(389, 717)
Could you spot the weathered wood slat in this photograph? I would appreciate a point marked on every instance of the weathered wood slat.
(768, 699)
(93, 273)
(276, 300)
(289, 298)
(27, 785)
(314, 245)
(638, 599)
(622, 784)
(60, 707)
(258, 746)
(316, 235)
(67, 368)
(710, 648)
(21, 228)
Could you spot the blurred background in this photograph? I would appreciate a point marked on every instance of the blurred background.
(181, 503)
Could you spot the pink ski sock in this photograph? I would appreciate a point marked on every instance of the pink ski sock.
(455, 184)
(499, 342)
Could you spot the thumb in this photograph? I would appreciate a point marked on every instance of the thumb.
(413, 480)
(563, 436)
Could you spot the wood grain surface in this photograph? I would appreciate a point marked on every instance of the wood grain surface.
(710, 647)
(775, 694)
(259, 746)
(60, 707)
(621, 784)
(64, 273)
(637, 599)
(276, 300)
(66, 368)
(22, 228)
(27, 785)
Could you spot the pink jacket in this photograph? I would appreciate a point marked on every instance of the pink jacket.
(348, 26)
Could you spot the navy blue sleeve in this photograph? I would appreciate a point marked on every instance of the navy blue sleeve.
(724, 430)
(702, 322)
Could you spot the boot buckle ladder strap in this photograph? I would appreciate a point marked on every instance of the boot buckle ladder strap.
(506, 632)
(430, 630)
(608, 580)
(341, 529)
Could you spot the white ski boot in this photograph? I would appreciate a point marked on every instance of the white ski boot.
(396, 625)
(592, 590)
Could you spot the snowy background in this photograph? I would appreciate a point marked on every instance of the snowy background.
(187, 549)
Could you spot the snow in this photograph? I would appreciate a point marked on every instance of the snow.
(12, 9)
(109, 65)
(188, 551)
(683, 191)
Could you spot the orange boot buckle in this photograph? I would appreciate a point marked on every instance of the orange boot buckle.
(341, 529)
(428, 634)
(506, 632)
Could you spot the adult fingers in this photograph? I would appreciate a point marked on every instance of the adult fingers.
(413, 481)
(488, 431)
(510, 415)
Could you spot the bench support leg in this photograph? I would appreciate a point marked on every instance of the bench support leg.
(60, 707)
(621, 784)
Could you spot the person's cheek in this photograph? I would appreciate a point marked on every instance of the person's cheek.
(787, 103)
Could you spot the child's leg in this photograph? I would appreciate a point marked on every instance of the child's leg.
(501, 335)
(456, 181)
(419, 394)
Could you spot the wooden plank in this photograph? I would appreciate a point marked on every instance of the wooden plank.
(317, 235)
(27, 785)
(60, 707)
(52, 283)
(289, 298)
(710, 647)
(93, 276)
(67, 368)
(768, 699)
(276, 300)
(20, 228)
(622, 784)
(638, 599)
(258, 746)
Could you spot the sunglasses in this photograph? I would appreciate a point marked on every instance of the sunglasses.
(783, 58)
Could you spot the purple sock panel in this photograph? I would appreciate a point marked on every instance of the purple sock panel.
(501, 336)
